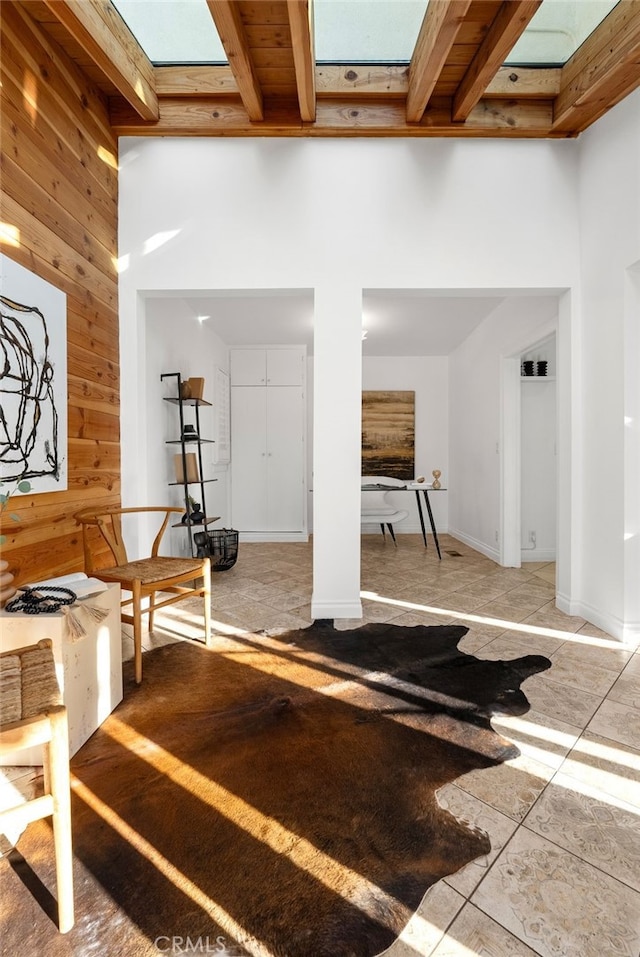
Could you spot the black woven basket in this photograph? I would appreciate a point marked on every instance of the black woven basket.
(221, 545)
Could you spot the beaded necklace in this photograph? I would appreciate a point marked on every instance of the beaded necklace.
(41, 601)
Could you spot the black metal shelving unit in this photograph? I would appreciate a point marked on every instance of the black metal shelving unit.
(186, 444)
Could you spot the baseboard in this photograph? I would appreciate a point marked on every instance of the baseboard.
(538, 555)
(492, 553)
(273, 537)
(627, 632)
(336, 609)
(403, 528)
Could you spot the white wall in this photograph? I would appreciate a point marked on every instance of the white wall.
(475, 398)
(538, 469)
(538, 455)
(378, 213)
(428, 377)
(631, 556)
(609, 196)
(338, 216)
(310, 477)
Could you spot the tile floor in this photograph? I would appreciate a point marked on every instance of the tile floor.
(563, 876)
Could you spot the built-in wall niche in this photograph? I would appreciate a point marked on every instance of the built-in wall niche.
(540, 360)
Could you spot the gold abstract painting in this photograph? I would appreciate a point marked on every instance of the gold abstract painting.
(388, 434)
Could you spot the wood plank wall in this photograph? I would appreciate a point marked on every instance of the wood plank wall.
(59, 192)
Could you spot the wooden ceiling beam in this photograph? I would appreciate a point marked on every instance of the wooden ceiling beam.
(508, 25)
(439, 29)
(233, 37)
(304, 57)
(604, 70)
(104, 36)
(224, 116)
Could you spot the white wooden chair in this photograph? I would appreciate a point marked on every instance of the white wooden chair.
(375, 507)
(32, 713)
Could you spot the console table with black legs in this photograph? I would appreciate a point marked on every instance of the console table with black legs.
(418, 487)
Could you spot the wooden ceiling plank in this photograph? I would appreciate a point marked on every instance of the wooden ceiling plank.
(520, 82)
(302, 40)
(106, 39)
(264, 11)
(509, 24)
(438, 32)
(269, 37)
(603, 70)
(362, 80)
(231, 31)
(195, 81)
(277, 76)
(271, 56)
(482, 12)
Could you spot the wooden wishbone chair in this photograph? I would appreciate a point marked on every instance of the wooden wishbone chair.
(145, 576)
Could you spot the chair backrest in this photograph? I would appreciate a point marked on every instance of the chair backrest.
(373, 500)
(28, 683)
(32, 713)
(109, 523)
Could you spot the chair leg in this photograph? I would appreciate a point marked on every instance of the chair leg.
(390, 527)
(137, 631)
(60, 791)
(151, 609)
(382, 529)
(46, 764)
(207, 601)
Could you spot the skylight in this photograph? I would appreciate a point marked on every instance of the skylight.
(173, 31)
(367, 31)
(557, 30)
(354, 31)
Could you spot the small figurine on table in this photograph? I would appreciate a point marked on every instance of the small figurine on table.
(436, 478)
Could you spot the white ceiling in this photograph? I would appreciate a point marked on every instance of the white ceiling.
(399, 322)
(414, 323)
(261, 316)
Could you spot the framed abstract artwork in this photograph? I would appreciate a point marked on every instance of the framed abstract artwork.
(388, 434)
(33, 379)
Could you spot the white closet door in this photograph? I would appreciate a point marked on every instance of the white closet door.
(249, 458)
(267, 367)
(248, 366)
(285, 458)
(285, 366)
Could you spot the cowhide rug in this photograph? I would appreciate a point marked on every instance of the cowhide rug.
(276, 796)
